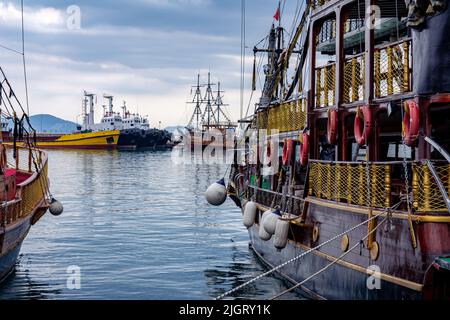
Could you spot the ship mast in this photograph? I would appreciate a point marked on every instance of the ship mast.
(209, 112)
(110, 103)
(218, 103)
(197, 100)
(88, 118)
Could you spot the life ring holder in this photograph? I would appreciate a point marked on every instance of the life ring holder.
(363, 125)
(411, 122)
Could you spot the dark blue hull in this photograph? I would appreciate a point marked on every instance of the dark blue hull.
(8, 261)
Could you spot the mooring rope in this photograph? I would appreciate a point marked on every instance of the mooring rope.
(335, 260)
(227, 293)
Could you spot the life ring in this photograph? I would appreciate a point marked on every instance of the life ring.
(411, 121)
(288, 151)
(304, 149)
(332, 126)
(363, 126)
(269, 147)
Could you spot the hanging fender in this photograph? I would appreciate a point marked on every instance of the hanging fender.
(332, 126)
(304, 149)
(288, 151)
(411, 120)
(363, 125)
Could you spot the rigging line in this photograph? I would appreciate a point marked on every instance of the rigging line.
(297, 257)
(10, 49)
(333, 262)
(360, 35)
(24, 63)
(242, 58)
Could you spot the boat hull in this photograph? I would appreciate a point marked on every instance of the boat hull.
(89, 140)
(137, 138)
(337, 283)
(8, 261)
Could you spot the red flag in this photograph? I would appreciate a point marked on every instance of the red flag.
(277, 14)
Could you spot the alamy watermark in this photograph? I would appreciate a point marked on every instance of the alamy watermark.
(74, 278)
(73, 21)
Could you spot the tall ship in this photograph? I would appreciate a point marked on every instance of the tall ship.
(209, 125)
(24, 184)
(346, 195)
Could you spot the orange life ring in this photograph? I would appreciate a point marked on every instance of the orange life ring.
(363, 126)
(288, 151)
(332, 126)
(304, 149)
(411, 121)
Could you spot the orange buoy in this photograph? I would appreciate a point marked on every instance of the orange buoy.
(411, 121)
(363, 125)
(304, 149)
(288, 151)
(332, 126)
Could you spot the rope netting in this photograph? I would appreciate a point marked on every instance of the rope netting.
(426, 194)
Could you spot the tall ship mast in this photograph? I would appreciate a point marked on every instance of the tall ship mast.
(356, 206)
(209, 117)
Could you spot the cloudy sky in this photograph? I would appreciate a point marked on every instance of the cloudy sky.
(146, 52)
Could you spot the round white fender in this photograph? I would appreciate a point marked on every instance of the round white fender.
(270, 222)
(56, 207)
(216, 194)
(262, 232)
(281, 234)
(249, 214)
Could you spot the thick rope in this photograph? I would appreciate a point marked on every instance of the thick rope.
(296, 258)
(333, 262)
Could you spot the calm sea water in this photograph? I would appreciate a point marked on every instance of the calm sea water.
(138, 227)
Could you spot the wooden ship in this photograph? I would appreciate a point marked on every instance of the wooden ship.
(362, 182)
(209, 125)
(24, 185)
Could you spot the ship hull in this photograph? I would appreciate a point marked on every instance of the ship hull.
(404, 272)
(89, 140)
(11, 240)
(137, 138)
(336, 283)
(8, 261)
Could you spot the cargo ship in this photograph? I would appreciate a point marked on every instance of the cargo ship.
(355, 204)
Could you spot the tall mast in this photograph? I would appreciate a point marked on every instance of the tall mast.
(219, 104)
(110, 102)
(197, 100)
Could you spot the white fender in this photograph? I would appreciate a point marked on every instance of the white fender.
(270, 222)
(262, 232)
(249, 214)
(281, 234)
(216, 194)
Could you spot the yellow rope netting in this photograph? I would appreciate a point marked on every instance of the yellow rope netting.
(392, 69)
(426, 194)
(348, 182)
(325, 85)
(290, 116)
(354, 74)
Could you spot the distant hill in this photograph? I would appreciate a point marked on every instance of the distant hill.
(51, 124)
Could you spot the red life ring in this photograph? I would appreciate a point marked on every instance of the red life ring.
(363, 126)
(332, 126)
(304, 149)
(269, 150)
(411, 121)
(288, 151)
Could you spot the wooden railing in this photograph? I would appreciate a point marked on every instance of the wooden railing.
(30, 193)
